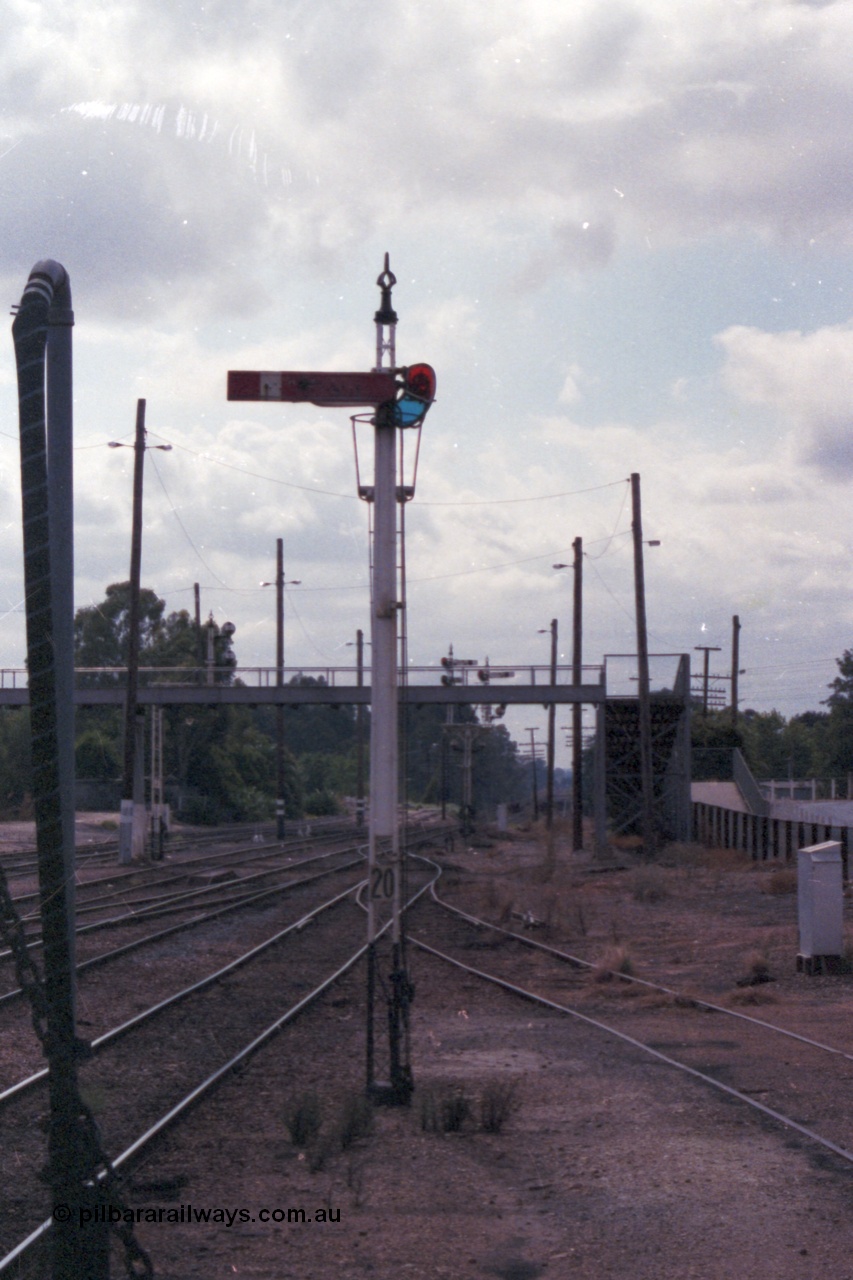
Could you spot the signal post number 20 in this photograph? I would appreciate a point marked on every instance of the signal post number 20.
(382, 882)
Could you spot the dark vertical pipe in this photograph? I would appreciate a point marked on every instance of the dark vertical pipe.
(60, 496)
(76, 1252)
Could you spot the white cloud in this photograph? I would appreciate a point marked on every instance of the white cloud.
(221, 184)
(570, 392)
(807, 379)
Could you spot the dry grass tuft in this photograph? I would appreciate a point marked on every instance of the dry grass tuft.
(497, 1102)
(725, 859)
(625, 842)
(751, 996)
(756, 970)
(782, 880)
(615, 961)
(444, 1109)
(682, 856)
(649, 884)
(355, 1120)
(303, 1119)
(658, 1000)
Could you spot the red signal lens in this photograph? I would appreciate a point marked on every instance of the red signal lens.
(420, 382)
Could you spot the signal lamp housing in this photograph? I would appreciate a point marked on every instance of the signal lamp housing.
(417, 395)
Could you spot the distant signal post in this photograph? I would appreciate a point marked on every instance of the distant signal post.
(400, 399)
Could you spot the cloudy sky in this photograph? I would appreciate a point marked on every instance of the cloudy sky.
(621, 234)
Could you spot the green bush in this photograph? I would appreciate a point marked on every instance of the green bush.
(201, 811)
(321, 804)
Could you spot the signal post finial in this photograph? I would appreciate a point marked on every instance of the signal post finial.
(386, 319)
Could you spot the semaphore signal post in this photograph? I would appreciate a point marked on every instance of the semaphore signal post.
(400, 398)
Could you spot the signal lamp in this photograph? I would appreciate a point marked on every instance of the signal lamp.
(417, 395)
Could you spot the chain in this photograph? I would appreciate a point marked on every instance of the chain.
(93, 1162)
(26, 971)
(137, 1263)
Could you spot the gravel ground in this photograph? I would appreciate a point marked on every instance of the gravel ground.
(609, 1165)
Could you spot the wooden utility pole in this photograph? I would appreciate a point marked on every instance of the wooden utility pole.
(577, 680)
(735, 666)
(279, 682)
(359, 733)
(532, 733)
(199, 641)
(127, 789)
(552, 713)
(644, 699)
(707, 649)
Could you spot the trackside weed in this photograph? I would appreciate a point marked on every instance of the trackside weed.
(444, 1110)
(497, 1102)
(356, 1119)
(303, 1118)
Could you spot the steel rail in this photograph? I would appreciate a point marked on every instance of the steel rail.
(170, 905)
(237, 856)
(136, 943)
(167, 1121)
(323, 828)
(728, 1090)
(691, 1000)
(95, 1045)
(150, 902)
(115, 1033)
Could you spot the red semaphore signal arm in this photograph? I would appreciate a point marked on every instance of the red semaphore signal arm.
(330, 390)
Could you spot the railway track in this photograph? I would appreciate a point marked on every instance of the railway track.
(196, 888)
(691, 1041)
(137, 1079)
(22, 862)
(118, 883)
(799, 1082)
(196, 907)
(113, 982)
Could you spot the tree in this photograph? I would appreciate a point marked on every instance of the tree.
(806, 741)
(215, 754)
(426, 749)
(839, 728)
(101, 633)
(713, 739)
(15, 761)
(764, 743)
(96, 756)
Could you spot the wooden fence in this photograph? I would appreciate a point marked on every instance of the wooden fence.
(763, 838)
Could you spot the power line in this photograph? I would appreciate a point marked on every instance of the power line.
(543, 497)
(184, 529)
(331, 493)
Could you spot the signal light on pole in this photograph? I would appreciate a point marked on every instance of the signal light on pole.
(418, 394)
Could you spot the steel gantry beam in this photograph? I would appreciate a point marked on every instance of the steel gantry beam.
(325, 695)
